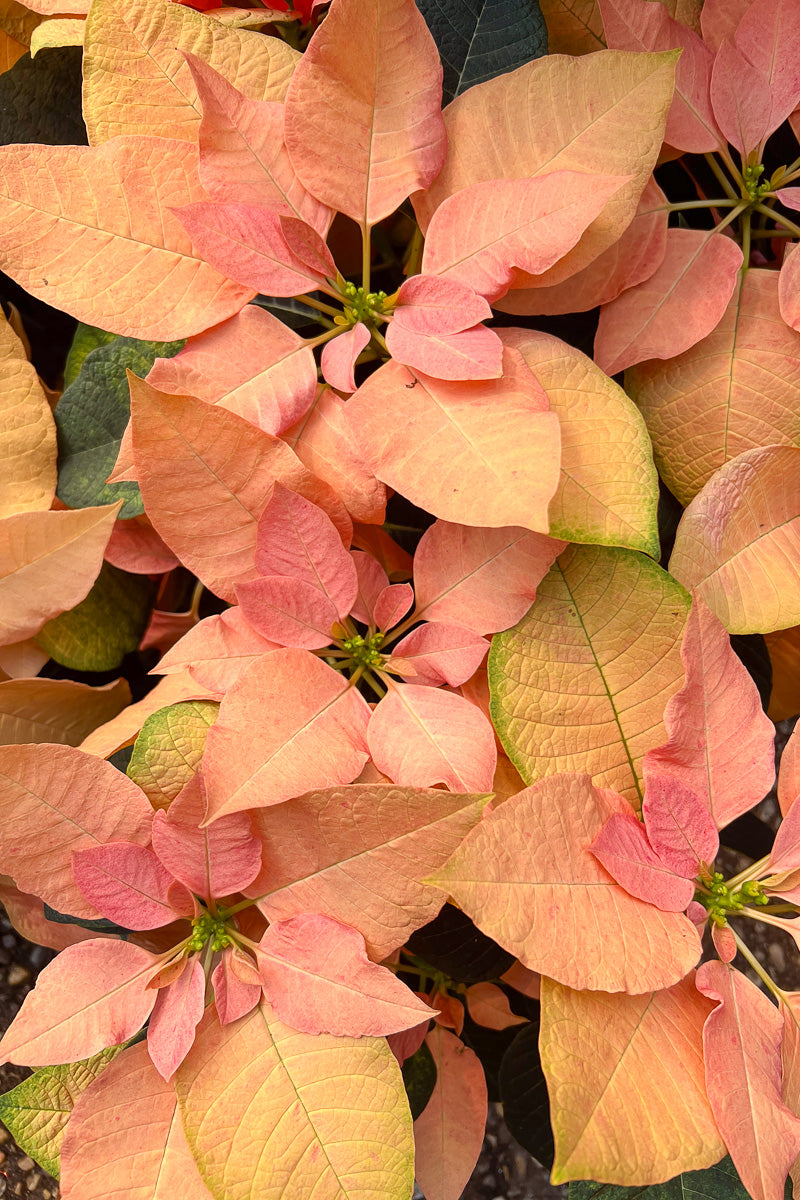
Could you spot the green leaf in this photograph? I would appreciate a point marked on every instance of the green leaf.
(37, 1110)
(91, 417)
(168, 750)
(419, 1077)
(98, 633)
(720, 1182)
(86, 339)
(580, 683)
(96, 925)
(523, 1094)
(479, 39)
(40, 99)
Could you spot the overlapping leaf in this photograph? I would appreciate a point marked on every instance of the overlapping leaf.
(205, 473)
(520, 125)
(681, 302)
(607, 496)
(737, 542)
(359, 137)
(35, 548)
(137, 81)
(482, 453)
(46, 817)
(136, 273)
(359, 853)
(485, 579)
(309, 1111)
(736, 389)
(720, 741)
(289, 724)
(527, 879)
(38, 1110)
(27, 432)
(614, 1063)
(128, 1127)
(56, 710)
(448, 1134)
(742, 1039)
(580, 683)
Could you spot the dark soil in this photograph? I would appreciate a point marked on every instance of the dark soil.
(20, 963)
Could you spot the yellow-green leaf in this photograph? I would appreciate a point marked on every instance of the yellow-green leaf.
(608, 494)
(168, 750)
(580, 683)
(310, 1114)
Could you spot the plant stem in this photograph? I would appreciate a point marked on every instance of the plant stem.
(414, 257)
(779, 219)
(746, 219)
(722, 178)
(366, 256)
(326, 308)
(752, 872)
(757, 967)
(725, 155)
(698, 204)
(324, 337)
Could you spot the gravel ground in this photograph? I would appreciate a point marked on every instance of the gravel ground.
(20, 963)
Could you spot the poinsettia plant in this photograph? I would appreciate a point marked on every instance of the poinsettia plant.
(320, 449)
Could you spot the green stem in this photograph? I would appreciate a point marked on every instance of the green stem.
(371, 677)
(414, 256)
(699, 204)
(240, 907)
(757, 967)
(366, 256)
(725, 155)
(326, 308)
(752, 872)
(312, 343)
(771, 233)
(779, 219)
(722, 178)
(746, 241)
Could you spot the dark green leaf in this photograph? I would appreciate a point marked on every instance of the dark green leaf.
(98, 925)
(98, 633)
(720, 1182)
(40, 99)
(479, 39)
(91, 417)
(523, 1093)
(120, 758)
(454, 946)
(419, 1078)
(86, 339)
